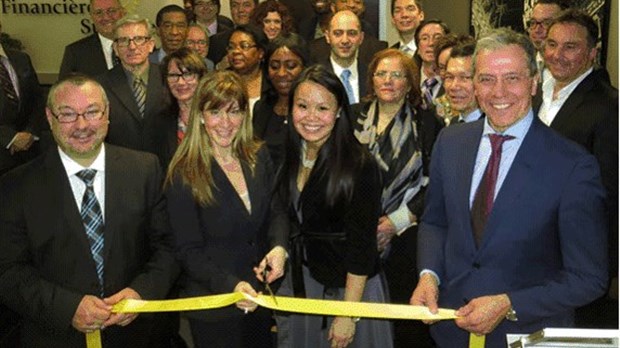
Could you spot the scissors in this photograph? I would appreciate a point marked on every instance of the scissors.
(265, 272)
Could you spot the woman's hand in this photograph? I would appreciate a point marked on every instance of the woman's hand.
(341, 332)
(246, 305)
(275, 259)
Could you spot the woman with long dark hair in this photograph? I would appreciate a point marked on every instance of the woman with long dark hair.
(332, 187)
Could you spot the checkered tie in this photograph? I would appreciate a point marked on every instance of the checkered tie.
(344, 77)
(93, 220)
(427, 91)
(139, 92)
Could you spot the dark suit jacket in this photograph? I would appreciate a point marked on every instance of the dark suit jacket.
(218, 44)
(320, 52)
(544, 243)
(46, 266)
(218, 245)
(590, 117)
(85, 56)
(127, 127)
(416, 58)
(27, 116)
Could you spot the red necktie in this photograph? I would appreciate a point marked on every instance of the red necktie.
(485, 194)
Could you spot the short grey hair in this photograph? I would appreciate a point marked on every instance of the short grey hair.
(503, 37)
(134, 19)
(203, 29)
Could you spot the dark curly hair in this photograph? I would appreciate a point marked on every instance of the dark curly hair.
(263, 8)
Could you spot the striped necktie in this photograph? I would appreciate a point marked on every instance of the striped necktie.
(92, 218)
(139, 92)
(7, 83)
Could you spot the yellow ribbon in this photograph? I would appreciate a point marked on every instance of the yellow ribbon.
(287, 304)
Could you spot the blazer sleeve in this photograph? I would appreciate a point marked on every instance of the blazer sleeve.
(582, 234)
(278, 218)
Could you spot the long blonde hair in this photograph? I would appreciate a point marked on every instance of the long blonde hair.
(193, 160)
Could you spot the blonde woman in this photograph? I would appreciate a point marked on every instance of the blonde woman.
(226, 226)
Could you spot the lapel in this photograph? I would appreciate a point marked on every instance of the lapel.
(521, 172)
(121, 89)
(361, 74)
(155, 96)
(56, 182)
(96, 49)
(566, 113)
(114, 171)
(466, 160)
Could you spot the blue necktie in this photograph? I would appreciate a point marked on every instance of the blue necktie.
(92, 220)
(344, 77)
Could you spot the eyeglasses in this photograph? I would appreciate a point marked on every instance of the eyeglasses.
(72, 116)
(126, 41)
(545, 23)
(204, 4)
(244, 46)
(382, 74)
(112, 11)
(196, 42)
(187, 76)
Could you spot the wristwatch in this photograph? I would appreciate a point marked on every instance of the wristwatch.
(511, 315)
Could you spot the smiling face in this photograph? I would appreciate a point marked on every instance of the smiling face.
(344, 35)
(567, 52)
(243, 61)
(105, 13)
(542, 14)
(459, 85)
(240, 11)
(82, 139)
(184, 88)
(314, 113)
(503, 85)
(390, 89)
(284, 67)
(272, 25)
(406, 16)
(223, 124)
(205, 11)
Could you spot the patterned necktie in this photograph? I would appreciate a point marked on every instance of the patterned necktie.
(427, 90)
(7, 84)
(115, 59)
(92, 220)
(485, 194)
(139, 92)
(344, 77)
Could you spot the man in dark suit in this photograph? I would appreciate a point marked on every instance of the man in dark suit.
(207, 15)
(344, 40)
(93, 54)
(314, 26)
(172, 23)
(406, 17)
(135, 87)
(240, 11)
(578, 102)
(21, 109)
(518, 240)
(83, 227)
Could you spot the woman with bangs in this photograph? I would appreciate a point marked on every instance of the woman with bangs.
(227, 228)
(183, 69)
(274, 17)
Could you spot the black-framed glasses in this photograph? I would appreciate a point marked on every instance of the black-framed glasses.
(196, 42)
(112, 11)
(187, 76)
(72, 116)
(545, 23)
(382, 74)
(244, 46)
(126, 41)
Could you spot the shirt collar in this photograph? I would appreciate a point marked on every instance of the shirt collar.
(339, 69)
(549, 85)
(472, 116)
(72, 167)
(517, 130)
(2, 52)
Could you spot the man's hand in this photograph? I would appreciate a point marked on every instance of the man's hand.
(426, 294)
(341, 332)
(276, 259)
(122, 319)
(21, 142)
(385, 232)
(91, 314)
(481, 315)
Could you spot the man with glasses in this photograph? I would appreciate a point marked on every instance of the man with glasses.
(198, 40)
(543, 13)
(135, 87)
(207, 15)
(83, 227)
(172, 25)
(93, 55)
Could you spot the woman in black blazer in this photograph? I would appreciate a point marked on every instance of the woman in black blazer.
(227, 228)
(332, 188)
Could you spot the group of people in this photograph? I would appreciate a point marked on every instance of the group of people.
(305, 158)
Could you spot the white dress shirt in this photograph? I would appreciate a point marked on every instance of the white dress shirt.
(550, 106)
